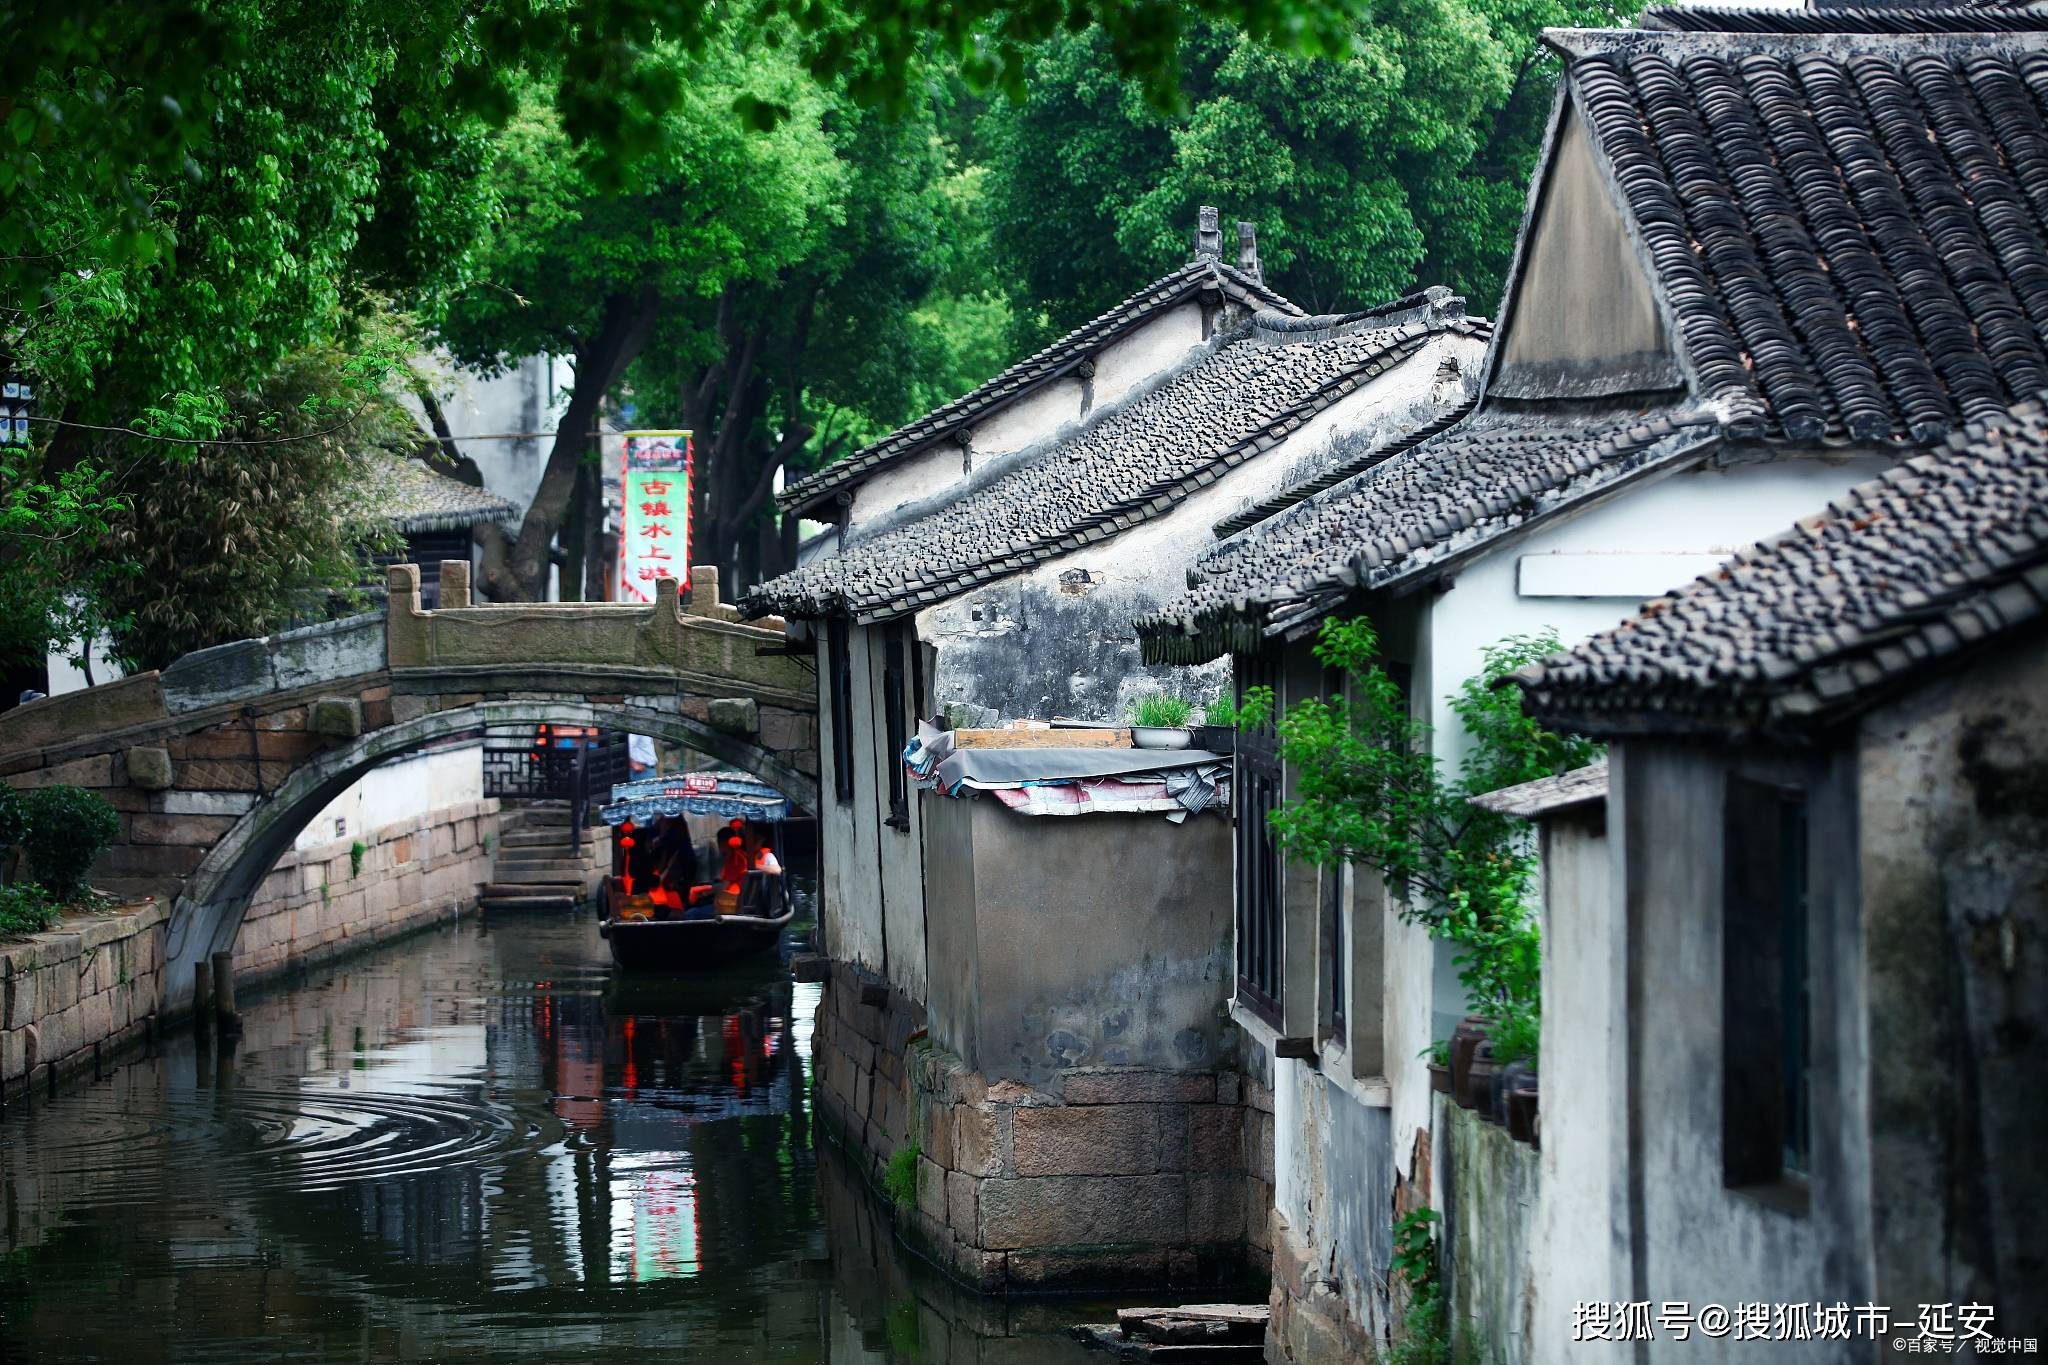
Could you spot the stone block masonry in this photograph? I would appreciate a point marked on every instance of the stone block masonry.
(318, 901)
(1130, 1178)
(99, 979)
(92, 980)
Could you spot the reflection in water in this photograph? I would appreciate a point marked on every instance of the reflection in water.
(472, 1144)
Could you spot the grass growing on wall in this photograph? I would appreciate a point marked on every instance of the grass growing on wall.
(899, 1179)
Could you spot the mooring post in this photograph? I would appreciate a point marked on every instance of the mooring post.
(202, 997)
(224, 994)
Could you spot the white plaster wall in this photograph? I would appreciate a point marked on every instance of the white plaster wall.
(402, 790)
(846, 837)
(930, 471)
(1159, 344)
(526, 398)
(898, 863)
(1582, 1215)
(1701, 512)
(852, 919)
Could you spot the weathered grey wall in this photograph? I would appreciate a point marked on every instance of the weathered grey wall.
(1490, 1197)
(1582, 1217)
(1103, 940)
(1333, 1173)
(91, 982)
(950, 923)
(1584, 319)
(1691, 1238)
(1953, 786)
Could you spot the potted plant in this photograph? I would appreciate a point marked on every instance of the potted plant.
(1465, 1039)
(1438, 1055)
(1521, 1096)
(1159, 721)
(1218, 731)
(1478, 1092)
(1514, 1037)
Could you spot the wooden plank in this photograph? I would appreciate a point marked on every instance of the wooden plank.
(1047, 738)
(1256, 1313)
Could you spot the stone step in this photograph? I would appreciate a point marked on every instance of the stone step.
(526, 857)
(531, 889)
(540, 870)
(527, 821)
(536, 901)
(533, 876)
(535, 839)
(525, 852)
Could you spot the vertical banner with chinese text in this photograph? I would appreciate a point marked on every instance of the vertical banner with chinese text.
(654, 512)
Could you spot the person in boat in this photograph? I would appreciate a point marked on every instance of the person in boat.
(675, 868)
(732, 867)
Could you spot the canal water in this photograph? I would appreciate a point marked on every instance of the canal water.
(477, 1144)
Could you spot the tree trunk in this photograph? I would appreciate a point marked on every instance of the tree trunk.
(620, 335)
(596, 564)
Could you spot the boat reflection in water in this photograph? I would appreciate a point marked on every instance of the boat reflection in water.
(476, 1143)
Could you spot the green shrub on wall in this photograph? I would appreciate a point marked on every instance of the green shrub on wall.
(25, 908)
(13, 830)
(66, 831)
(1369, 790)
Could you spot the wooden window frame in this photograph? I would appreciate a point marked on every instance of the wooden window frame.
(1766, 988)
(839, 685)
(1260, 903)
(895, 707)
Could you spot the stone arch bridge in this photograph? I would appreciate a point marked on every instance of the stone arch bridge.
(217, 762)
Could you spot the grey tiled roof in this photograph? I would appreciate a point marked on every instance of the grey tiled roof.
(1034, 371)
(1896, 578)
(1335, 474)
(1848, 19)
(1135, 461)
(409, 497)
(1549, 795)
(1415, 514)
(1848, 228)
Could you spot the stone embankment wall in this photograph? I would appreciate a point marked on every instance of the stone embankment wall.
(1132, 1178)
(92, 980)
(316, 903)
(99, 979)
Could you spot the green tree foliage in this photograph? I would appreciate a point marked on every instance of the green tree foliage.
(186, 280)
(264, 528)
(576, 268)
(67, 830)
(846, 338)
(1368, 790)
(1403, 163)
(134, 92)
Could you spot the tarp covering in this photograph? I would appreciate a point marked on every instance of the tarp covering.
(1064, 781)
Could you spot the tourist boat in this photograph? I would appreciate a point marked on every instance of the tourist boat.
(655, 920)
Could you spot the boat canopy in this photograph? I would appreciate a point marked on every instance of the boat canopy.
(721, 792)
